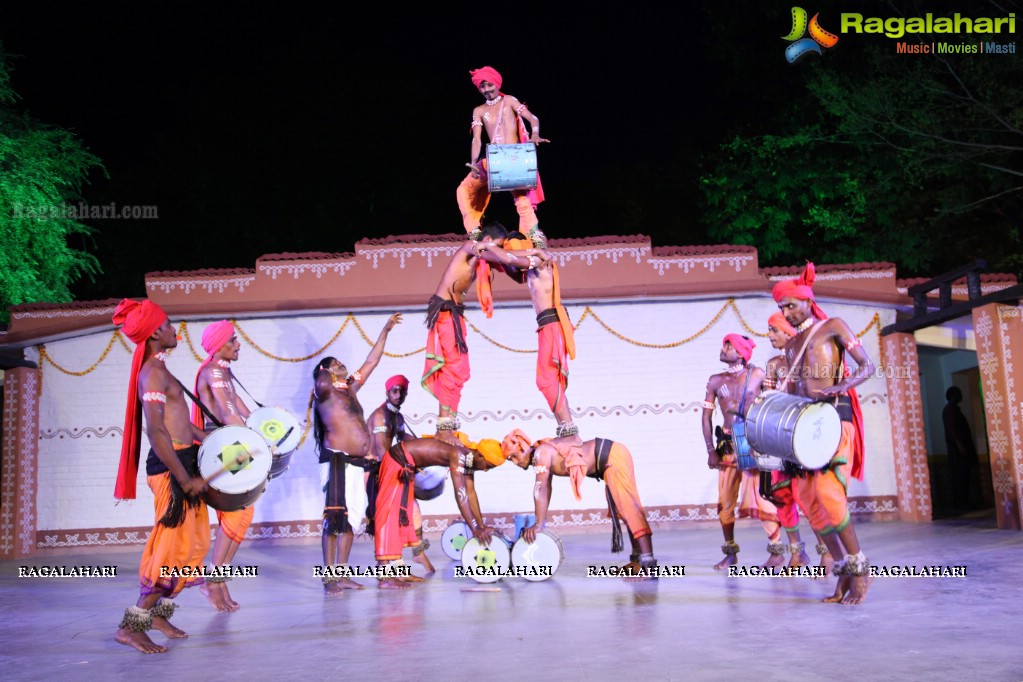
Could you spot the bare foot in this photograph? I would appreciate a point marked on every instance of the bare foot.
(774, 560)
(448, 437)
(348, 584)
(800, 559)
(840, 590)
(218, 596)
(395, 584)
(139, 641)
(826, 562)
(630, 568)
(412, 579)
(729, 560)
(858, 586)
(424, 561)
(332, 589)
(163, 625)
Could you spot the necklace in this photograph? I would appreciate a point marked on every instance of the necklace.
(804, 325)
(161, 356)
(492, 102)
(223, 363)
(735, 369)
(392, 408)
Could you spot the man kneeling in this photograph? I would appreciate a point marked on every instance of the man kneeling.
(394, 528)
(601, 459)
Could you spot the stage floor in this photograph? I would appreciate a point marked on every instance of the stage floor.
(704, 626)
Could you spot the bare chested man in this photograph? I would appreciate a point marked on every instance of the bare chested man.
(502, 116)
(602, 459)
(181, 536)
(820, 374)
(394, 527)
(387, 424)
(214, 385)
(735, 389)
(447, 355)
(342, 437)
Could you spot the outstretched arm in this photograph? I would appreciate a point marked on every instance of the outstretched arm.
(524, 259)
(542, 489)
(373, 359)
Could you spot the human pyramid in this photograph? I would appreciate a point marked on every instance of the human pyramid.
(391, 455)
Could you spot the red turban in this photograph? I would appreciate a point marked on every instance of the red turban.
(138, 320)
(778, 321)
(487, 73)
(396, 380)
(741, 344)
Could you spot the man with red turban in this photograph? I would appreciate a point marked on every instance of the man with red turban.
(502, 116)
(342, 437)
(736, 388)
(447, 355)
(393, 518)
(174, 552)
(387, 424)
(214, 386)
(602, 459)
(819, 371)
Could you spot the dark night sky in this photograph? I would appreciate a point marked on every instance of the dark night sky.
(261, 129)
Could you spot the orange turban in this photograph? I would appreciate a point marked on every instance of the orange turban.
(778, 321)
(138, 321)
(515, 443)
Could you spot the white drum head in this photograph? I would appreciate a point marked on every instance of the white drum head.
(454, 538)
(242, 455)
(546, 553)
(273, 423)
(816, 436)
(496, 559)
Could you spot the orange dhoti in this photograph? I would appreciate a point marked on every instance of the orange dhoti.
(447, 355)
(234, 524)
(394, 525)
(473, 195)
(824, 492)
(551, 358)
(180, 549)
(789, 502)
(732, 482)
(620, 479)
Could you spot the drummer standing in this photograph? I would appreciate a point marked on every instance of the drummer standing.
(502, 116)
(737, 387)
(342, 437)
(820, 373)
(214, 386)
(387, 423)
(181, 535)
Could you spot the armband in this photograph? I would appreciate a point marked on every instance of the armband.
(707, 405)
(154, 397)
(379, 429)
(355, 376)
(476, 124)
(853, 344)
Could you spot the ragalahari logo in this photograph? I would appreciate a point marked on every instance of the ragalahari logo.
(802, 46)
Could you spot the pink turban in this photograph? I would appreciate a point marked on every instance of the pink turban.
(778, 321)
(138, 320)
(741, 344)
(396, 380)
(216, 335)
(487, 73)
(515, 442)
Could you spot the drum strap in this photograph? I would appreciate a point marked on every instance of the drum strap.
(797, 364)
(242, 386)
(601, 452)
(205, 410)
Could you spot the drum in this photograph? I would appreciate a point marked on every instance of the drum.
(454, 538)
(496, 559)
(794, 428)
(511, 166)
(430, 482)
(281, 430)
(235, 461)
(546, 553)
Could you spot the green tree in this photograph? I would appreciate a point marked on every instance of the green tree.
(42, 170)
(916, 160)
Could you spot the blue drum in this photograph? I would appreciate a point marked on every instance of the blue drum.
(511, 167)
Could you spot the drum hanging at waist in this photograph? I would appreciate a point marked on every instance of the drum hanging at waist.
(235, 461)
(511, 167)
(795, 428)
(281, 431)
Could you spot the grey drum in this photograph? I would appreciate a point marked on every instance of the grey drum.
(794, 428)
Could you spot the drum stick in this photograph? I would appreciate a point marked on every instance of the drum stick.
(278, 444)
(227, 466)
